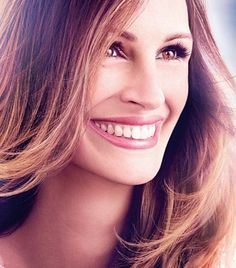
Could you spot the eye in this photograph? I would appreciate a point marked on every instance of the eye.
(116, 50)
(169, 55)
(173, 52)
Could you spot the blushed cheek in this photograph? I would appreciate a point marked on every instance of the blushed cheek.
(176, 94)
(108, 82)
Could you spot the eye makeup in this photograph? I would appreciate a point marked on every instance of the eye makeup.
(176, 51)
(116, 50)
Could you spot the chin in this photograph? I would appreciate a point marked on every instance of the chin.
(136, 176)
(139, 181)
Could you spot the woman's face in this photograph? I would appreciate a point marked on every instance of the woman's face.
(139, 93)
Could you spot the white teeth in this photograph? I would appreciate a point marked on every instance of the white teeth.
(118, 131)
(133, 132)
(152, 130)
(127, 132)
(110, 129)
(144, 132)
(136, 133)
(103, 127)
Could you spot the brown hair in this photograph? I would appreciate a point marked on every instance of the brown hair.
(44, 83)
(46, 70)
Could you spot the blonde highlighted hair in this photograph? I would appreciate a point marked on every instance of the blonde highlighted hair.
(49, 53)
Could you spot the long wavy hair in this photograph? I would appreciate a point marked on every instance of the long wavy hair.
(49, 53)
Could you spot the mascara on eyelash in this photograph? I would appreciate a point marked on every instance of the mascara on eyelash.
(180, 49)
(119, 48)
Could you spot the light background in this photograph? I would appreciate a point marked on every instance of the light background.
(222, 17)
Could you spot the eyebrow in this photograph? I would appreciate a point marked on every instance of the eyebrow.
(133, 38)
(129, 36)
(178, 36)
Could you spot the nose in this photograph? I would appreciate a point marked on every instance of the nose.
(144, 87)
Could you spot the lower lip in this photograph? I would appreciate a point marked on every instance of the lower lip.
(126, 142)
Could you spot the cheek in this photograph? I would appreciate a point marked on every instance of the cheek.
(176, 94)
(177, 100)
(176, 89)
(108, 82)
(130, 167)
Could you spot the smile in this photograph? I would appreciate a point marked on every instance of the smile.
(128, 136)
(130, 132)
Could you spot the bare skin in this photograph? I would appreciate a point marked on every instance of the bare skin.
(78, 216)
(77, 211)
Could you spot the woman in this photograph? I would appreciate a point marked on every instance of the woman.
(114, 133)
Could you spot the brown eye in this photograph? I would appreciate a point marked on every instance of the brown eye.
(173, 52)
(169, 55)
(116, 50)
(112, 52)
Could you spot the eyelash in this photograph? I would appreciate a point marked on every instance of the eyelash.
(118, 47)
(178, 49)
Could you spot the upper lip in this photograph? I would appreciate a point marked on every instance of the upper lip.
(131, 120)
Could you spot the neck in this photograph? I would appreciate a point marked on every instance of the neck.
(76, 218)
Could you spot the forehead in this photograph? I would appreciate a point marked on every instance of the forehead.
(158, 18)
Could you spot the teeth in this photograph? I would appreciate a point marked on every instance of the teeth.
(118, 131)
(144, 132)
(110, 129)
(134, 132)
(103, 127)
(127, 132)
(152, 130)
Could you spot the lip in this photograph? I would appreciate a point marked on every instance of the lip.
(127, 143)
(131, 120)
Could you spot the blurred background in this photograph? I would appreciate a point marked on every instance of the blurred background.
(222, 17)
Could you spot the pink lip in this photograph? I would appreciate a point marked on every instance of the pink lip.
(131, 120)
(126, 142)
